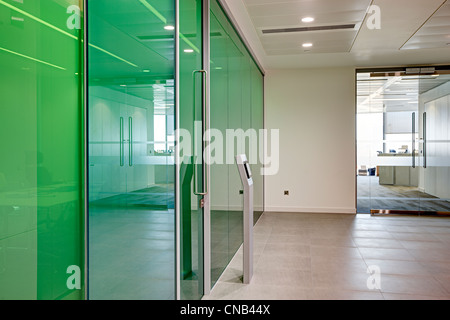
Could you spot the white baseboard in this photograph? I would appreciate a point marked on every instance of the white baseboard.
(311, 210)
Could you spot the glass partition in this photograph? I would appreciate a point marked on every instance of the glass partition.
(236, 117)
(41, 175)
(434, 120)
(131, 66)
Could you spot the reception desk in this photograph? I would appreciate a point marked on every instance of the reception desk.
(396, 169)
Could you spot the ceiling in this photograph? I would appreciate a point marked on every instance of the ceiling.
(410, 32)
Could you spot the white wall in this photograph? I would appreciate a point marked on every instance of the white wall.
(314, 109)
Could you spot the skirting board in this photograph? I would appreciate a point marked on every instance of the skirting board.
(311, 210)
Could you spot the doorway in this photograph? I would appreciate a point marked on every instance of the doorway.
(403, 141)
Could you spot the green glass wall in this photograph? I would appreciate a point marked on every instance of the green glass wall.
(41, 167)
(237, 114)
(130, 133)
(131, 68)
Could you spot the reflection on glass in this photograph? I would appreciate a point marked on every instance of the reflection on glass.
(236, 103)
(41, 208)
(391, 158)
(131, 166)
(434, 178)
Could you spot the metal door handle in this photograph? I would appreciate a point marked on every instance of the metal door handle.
(130, 141)
(204, 98)
(424, 119)
(121, 146)
(413, 136)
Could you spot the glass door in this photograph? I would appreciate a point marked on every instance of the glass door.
(193, 120)
(131, 108)
(388, 158)
(403, 141)
(434, 112)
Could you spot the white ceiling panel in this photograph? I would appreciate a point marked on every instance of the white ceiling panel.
(304, 7)
(421, 26)
(435, 33)
(293, 20)
(270, 15)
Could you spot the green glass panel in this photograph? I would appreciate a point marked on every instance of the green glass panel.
(131, 139)
(41, 203)
(237, 105)
(191, 214)
(257, 123)
(221, 80)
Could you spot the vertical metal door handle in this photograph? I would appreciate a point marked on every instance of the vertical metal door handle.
(121, 147)
(424, 119)
(413, 137)
(204, 98)
(130, 141)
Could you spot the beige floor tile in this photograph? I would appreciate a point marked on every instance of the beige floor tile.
(275, 292)
(275, 249)
(399, 267)
(377, 243)
(341, 280)
(268, 263)
(438, 254)
(368, 227)
(436, 267)
(444, 280)
(414, 236)
(335, 252)
(292, 238)
(386, 253)
(325, 257)
(376, 234)
(402, 296)
(431, 245)
(340, 294)
(417, 285)
(338, 241)
(283, 277)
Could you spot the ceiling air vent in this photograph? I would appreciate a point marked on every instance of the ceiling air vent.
(305, 29)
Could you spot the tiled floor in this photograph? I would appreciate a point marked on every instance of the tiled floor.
(326, 256)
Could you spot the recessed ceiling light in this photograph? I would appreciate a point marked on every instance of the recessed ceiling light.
(188, 50)
(146, 70)
(308, 19)
(169, 27)
(307, 45)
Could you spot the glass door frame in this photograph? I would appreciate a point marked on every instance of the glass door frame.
(419, 143)
(206, 232)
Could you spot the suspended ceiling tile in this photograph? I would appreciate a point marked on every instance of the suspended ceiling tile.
(293, 20)
(268, 15)
(435, 33)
